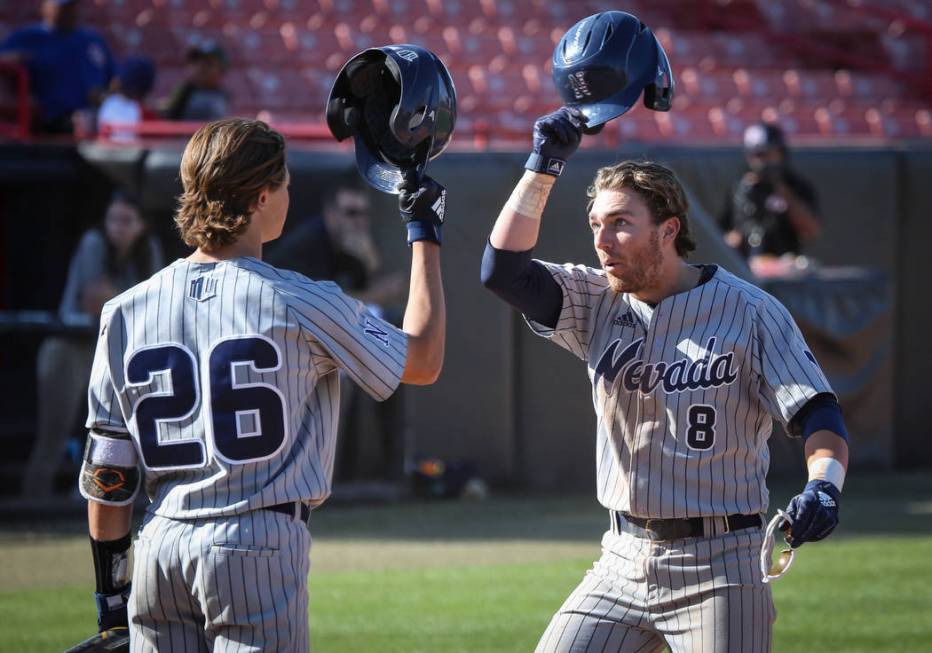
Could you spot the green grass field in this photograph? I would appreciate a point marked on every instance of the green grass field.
(487, 576)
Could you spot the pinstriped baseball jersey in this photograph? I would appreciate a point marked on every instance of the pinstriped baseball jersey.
(225, 376)
(684, 390)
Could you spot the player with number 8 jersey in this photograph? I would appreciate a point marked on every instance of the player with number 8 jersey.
(216, 387)
(688, 364)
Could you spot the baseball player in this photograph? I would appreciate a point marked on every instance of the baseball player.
(688, 363)
(215, 385)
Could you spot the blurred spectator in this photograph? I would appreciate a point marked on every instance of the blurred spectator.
(201, 95)
(126, 102)
(771, 210)
(338, 245)
(69, 66)
(109, 259)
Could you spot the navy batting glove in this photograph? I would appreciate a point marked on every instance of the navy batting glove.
(556, 137)
(111, 609)
(422, 204)
(814, 512)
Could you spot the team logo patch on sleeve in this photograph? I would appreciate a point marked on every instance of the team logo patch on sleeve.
(376, 332)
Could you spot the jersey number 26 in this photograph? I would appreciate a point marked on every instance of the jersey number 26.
(244, 422)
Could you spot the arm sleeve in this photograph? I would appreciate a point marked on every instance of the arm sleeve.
(789, 373)
(726, 220)
(523, 283)
(105, 412)
(344, 334)
(580, 288)
(822, 412)
(807, 193)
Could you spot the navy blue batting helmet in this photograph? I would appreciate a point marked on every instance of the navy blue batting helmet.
(604, 61)
(399, 105)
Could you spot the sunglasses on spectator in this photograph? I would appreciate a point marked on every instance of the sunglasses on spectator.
(353, 211)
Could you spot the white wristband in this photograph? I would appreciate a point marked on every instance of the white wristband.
(827, 469)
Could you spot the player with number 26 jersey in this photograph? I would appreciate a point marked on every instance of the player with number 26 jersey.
(224, 371)
(216, 386)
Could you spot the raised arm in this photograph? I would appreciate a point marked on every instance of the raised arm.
(422, 208)
(556, 137)
(507, 267)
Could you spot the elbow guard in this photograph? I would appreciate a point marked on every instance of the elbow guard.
(110, 472)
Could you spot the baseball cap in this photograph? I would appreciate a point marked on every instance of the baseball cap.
(207, 48)
(136, 75)
(763, 136)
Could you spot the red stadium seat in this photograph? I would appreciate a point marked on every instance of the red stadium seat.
(285, 53)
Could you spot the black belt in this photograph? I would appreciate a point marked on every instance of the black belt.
(295, 509)
(678, 529)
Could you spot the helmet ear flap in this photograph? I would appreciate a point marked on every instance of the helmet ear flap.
(659, 95)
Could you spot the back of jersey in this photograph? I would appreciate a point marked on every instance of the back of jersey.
(224, 374)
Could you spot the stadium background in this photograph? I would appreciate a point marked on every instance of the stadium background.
(850, 82)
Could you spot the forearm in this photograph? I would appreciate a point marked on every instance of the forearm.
(518, 224)
(425, 316)
(107, 523)
(826, 444)
(110, 545)
(803, 219)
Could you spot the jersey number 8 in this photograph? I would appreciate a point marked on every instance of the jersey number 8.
(700, 433)
(245, 422)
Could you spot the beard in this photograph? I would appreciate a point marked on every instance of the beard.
(640, 268)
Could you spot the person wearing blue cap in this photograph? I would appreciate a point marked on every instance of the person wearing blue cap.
(126, 103)
(69, 66)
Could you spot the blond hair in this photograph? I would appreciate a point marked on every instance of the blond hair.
(657, 186)
(225, 167)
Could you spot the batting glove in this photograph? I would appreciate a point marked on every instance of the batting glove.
(422, 204)
(814, 512)
(111, 609)
(556, 137)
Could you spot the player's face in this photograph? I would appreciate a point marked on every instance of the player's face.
(275, 210)
(123, 225)
(626, 240)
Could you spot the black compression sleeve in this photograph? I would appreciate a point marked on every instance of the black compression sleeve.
(523, 283)
(111, 563)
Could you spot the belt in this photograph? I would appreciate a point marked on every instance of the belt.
(295, 509)
(678, 529)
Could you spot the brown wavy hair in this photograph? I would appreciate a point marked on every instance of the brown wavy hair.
(657, 186)
(225, 167)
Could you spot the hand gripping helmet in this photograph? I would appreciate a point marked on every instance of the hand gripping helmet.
(399, 105)
(603, 62)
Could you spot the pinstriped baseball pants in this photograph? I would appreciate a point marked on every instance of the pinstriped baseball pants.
(692, 595)
(222, 585)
